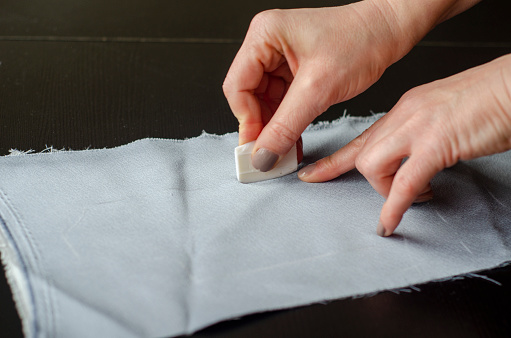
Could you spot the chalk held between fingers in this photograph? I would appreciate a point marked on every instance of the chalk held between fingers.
(246, 173)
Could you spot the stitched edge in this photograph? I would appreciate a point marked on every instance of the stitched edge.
(17, 277)
(23, 292)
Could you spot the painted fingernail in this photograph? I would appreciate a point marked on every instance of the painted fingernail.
(380, 230)
(264, 159)
(307, 170)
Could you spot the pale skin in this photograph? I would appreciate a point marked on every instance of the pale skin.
(294, 64)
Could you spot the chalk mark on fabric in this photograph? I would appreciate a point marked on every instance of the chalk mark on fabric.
(271, 267)
(494, 197)
(441, 217)
(112, 201)
(68, 230)
(466, 248)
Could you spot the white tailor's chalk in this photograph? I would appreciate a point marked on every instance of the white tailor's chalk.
(248, 174)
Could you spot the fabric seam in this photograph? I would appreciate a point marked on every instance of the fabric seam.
(48, 294)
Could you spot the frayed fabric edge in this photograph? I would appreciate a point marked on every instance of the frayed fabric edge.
(17, 283)
(321, 125)
(409, 288)
(50, 149)
(416, 287)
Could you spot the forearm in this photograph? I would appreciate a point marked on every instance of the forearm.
(411, 20)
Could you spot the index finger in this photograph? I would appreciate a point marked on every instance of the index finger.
(409, 181)
(340, 162)
(254, 58)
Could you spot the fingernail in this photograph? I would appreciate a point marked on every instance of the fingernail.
(305, 171)
(380, 230)
(264, 159)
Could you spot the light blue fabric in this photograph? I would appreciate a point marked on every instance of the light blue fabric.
(158, 238)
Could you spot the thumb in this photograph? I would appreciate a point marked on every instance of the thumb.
(303, 102)
(340, 162)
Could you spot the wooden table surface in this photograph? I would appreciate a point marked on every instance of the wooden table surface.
(101, 73)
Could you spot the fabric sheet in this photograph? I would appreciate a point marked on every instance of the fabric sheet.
(158, 238)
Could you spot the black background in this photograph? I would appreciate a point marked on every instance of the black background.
(101, 73)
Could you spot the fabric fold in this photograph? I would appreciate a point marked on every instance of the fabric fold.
(157, 237)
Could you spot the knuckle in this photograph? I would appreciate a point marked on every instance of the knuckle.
(263, 20)
(415, 99)
(408, 100)
(364, 165)
(325, 96)
(281, 131)
(405, 184)
(311, 82)
(423, 98)
(360, 141)
(227, 87)
(328, 164)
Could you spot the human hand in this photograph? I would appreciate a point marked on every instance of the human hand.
(294, 64)
(462, 117)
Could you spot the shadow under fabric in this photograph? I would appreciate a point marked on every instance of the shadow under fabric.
(157, 237)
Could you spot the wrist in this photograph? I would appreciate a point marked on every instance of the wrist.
(504, 75)
(410, 20)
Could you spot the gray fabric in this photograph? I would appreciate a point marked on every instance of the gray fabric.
(158, 238)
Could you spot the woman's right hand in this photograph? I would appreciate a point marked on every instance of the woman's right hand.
(294, 64)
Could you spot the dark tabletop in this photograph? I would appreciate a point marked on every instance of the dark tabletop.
(101, 73)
